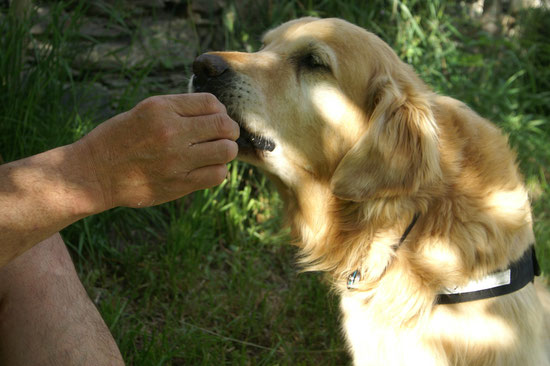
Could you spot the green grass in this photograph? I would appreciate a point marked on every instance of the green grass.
(211, 278)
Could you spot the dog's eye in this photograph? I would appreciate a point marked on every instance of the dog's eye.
(313, 62)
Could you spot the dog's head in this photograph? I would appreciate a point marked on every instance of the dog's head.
(327, 99)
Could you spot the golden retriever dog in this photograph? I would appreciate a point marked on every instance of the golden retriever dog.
(410, 201)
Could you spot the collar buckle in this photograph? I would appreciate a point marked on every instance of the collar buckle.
(353, 280)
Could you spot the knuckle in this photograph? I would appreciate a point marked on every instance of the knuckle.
(210, 102)
(229, 150)
(153, 102)
(224, 125)
(166, 133)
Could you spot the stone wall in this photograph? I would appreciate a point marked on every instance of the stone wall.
(131, 49)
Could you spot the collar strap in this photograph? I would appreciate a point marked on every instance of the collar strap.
(407, 231)
(520, 273)
(355, 276)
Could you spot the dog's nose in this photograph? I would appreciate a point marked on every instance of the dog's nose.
(208, 65)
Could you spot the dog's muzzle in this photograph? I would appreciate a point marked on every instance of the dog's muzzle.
(212, 74)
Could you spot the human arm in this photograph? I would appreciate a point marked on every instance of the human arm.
(162, 149)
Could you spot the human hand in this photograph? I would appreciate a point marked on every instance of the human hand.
(162, 149)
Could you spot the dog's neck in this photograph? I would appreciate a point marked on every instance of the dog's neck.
(340, 237)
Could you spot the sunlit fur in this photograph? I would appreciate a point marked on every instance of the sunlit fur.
(362, 145)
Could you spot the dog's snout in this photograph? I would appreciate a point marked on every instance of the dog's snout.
(208, 65)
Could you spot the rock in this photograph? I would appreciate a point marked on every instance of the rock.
(41, 20)
(208, 7)
(163, 43)
(92, 101)
(97, 27)
(39, 28)
(156, 4)
(115, 81)
(105, 8)
(171, 41)
(518, 5)
(173, 83)
(110, 55)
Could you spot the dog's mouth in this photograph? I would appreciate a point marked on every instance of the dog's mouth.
(248, 140)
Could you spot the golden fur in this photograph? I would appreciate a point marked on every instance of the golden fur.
(362, 144)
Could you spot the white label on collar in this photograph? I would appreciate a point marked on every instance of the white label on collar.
(491, 281)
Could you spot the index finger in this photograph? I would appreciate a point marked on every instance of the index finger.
(195, 104)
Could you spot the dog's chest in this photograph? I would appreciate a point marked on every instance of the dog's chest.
(376, 340)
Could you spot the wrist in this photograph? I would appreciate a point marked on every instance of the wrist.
(93, 186)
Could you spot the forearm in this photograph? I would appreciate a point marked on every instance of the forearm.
(42, 194)
(162, 149)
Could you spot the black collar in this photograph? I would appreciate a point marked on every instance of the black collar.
(517, 276)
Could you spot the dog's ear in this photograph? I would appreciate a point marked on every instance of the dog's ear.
(399, 151)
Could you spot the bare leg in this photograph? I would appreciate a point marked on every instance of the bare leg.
(46, 316)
